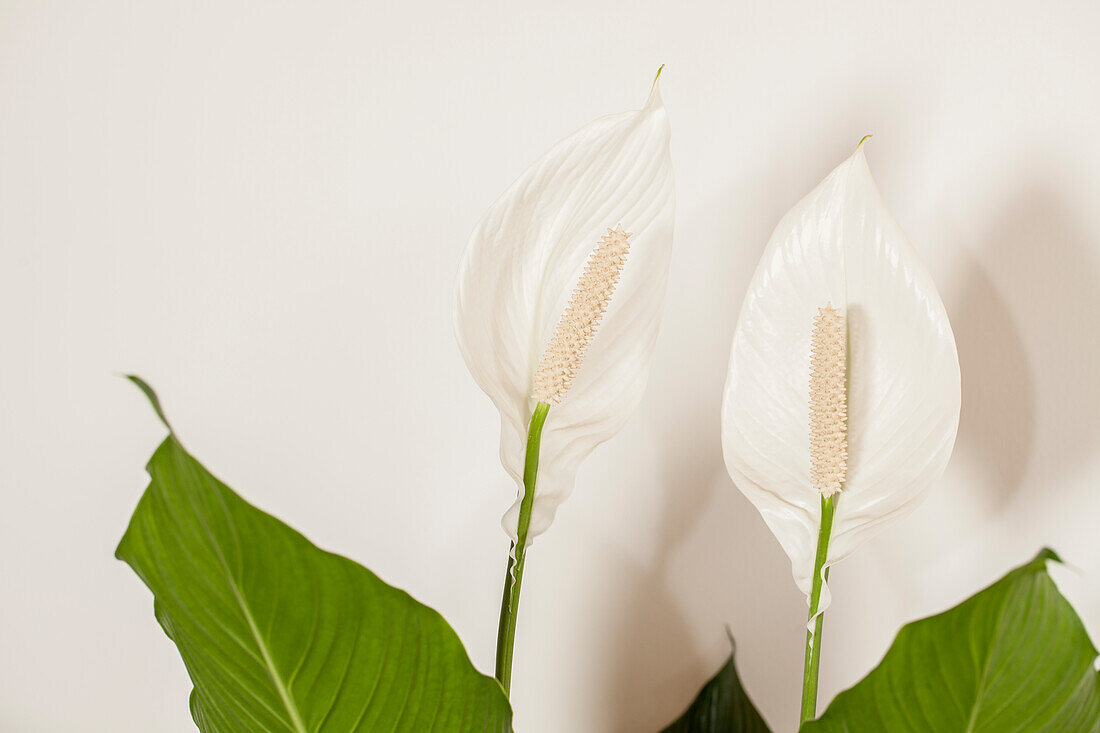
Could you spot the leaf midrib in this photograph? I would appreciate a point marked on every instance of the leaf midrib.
(296, 721)
(985, 668)
(269, 662)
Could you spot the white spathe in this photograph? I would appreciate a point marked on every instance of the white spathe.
(840, 245)
(520, 267)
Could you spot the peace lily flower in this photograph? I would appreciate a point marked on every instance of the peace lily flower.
(843, 394)
(557, 307)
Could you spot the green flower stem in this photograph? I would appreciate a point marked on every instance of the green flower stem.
(509, 603)
(813, 640)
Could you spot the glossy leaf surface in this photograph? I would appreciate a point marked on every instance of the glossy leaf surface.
(278, 635)
(1014, 658)
(722, 706)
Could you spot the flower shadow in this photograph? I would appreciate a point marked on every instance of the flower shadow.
(1029, 348)
(669, 620)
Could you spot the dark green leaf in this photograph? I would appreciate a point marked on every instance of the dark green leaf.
(721, 706)
(1013, 658)
(279, 635)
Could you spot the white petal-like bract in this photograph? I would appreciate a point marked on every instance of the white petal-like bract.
(840, 245)
(520, 267)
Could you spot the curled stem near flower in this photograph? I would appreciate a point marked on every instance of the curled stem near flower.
(524, 322)
(560, 362)
(509, 602)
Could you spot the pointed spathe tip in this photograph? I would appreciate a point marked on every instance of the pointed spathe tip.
(858, 158)
(654, 100)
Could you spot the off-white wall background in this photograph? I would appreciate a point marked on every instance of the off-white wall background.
(260, 207)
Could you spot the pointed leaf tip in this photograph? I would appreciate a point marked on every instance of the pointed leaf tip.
(862, 140)
(721, 705)
(733, 642)
(1048, 554)
(153, 399)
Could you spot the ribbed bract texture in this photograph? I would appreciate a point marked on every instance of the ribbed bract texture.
(828, 402)
(582, 316)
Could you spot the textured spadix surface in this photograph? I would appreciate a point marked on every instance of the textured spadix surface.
(520, 267)
(840, 245)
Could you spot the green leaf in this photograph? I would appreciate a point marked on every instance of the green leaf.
(279, 635)
(722, 705)
(1014, 657)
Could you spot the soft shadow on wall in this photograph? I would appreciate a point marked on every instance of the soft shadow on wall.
(1024, 312)
(1029, 345)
